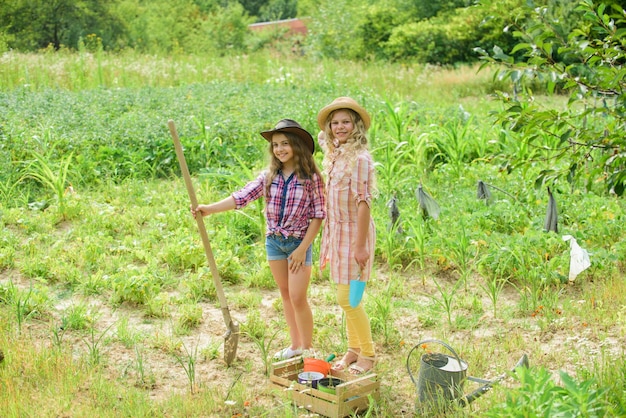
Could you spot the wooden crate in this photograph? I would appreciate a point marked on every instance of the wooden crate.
(350, 396)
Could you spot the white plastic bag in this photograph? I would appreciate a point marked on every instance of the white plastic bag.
(579, 258)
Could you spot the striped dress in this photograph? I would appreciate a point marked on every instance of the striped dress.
(348, 183)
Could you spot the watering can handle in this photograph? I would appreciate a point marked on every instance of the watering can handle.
(408, 366)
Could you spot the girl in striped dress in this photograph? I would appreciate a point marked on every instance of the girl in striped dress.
(348, 236)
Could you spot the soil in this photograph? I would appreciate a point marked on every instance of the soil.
(493, 345)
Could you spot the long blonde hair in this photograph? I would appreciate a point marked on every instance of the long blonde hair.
(356, 142)
(304, 163)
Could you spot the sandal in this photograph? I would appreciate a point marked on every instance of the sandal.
(358, 368)
(348, 359)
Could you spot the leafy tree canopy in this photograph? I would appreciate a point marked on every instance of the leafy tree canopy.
(585, 61)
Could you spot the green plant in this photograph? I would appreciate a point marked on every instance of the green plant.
(9, 191)
(165, 343)
(137, 289)
(126, 334)
(57, 335)
(41, 169)
(445, 300)
(94, 355)
(189, 365)
(392, 249)
(145, 378)
(159, 306)
(248, 300)
(25, 304)
(189, 317)
(459, 249)
(539, 396)
(594, 86)
(262, 336)
(493, 287)
(452, 143)
(199, 287)
(212, 351)
(92, 284)
(76, 317)
(417, 236)
(381, 316)
(395, 156)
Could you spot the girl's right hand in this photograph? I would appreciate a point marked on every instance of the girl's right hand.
(201, 209)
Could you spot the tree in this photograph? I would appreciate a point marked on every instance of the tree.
(35, 24)
(253, 7)
(278, 10)
(585, 141)
(333, 29)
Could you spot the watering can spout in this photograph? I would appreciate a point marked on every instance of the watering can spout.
(466, 400)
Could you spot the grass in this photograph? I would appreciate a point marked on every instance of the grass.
(122, 248)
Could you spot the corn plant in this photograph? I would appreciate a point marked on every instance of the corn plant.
(493, 287)
(392, 249)
(460, 252)
(53, 178)
(416, 238)
(400, 157)
(445, 299)
(453, 143)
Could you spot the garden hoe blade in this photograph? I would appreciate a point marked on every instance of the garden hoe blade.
(551, 216)
(231, 337)
(428, 205)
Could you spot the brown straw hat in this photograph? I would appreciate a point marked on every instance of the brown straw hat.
(290, 125)
(343, 103)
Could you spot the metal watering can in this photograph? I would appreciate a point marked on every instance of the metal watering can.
(441, 378)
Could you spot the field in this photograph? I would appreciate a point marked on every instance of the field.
(107, 307)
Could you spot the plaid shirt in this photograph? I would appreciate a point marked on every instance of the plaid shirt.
(291, 205)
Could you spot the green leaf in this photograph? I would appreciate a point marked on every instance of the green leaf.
(499, 54)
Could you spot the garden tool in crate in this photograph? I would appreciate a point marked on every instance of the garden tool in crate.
(441, 378)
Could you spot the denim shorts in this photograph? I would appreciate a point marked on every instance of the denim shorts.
(280, 248)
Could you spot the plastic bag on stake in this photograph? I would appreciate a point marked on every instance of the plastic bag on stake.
(579, 258)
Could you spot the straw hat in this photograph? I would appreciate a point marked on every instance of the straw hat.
(290, 125)
(343, 103)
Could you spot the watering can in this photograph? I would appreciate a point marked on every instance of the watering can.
(441, 378)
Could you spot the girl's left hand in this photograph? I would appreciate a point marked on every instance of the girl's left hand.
(361, 256)
(296, 260)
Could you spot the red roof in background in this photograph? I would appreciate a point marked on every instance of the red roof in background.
(296, 26)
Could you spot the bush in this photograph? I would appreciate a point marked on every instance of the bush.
(449, 38)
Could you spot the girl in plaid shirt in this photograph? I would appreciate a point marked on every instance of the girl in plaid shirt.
(348, 237)
(294, 210)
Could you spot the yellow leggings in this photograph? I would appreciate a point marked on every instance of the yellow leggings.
(357, 322)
